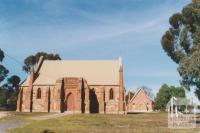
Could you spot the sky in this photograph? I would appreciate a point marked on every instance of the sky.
(92, 29)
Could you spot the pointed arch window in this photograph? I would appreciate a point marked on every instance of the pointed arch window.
(38, 93)
(111, 94)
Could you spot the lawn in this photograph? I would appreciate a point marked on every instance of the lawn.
(97, 123)
(17, 119)
(20, 117)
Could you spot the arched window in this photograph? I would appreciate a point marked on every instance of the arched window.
(39, 93)
(111, 94)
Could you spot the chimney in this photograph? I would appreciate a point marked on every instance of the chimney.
(121, 88)
(32, 76)
(121, 82)
(39, 64)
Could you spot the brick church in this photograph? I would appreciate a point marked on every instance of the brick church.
(141, 101)
(76, 86)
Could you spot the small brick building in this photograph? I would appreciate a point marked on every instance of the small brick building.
(84, 86)
(141, 101)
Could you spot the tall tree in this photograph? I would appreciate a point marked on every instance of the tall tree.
(9, 90)
(3, 74)
(165, 93)
(1, 55)
(12, 83)
(11, 87)
(32, 60)
(182, 43)
(3, 71)
(3, 96)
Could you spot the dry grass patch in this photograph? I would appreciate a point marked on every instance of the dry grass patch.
(97, 123)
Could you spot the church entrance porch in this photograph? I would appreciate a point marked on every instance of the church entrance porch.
(69, 102)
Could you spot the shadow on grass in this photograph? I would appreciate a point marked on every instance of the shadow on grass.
(135, 113)
(47, 131)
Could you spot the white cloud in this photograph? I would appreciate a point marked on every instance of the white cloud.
(56, 37)
(91, 30)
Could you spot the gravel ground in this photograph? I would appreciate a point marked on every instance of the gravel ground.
(6, 124)
(10, 124)
(3, 114)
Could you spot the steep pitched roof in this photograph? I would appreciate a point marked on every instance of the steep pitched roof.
(146, 91)
(96, 72)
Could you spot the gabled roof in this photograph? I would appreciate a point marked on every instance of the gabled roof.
(146, 91)
(96, 72)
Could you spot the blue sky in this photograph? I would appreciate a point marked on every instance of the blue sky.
(93, 29)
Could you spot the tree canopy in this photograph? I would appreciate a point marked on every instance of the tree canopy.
(12, 83)
(9, 90)
(1, 55)
(165, 93)
(3, 71)
(32, 60)
(127, 96)
(182, 43)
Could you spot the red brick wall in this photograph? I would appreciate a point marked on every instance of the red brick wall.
(140, 103)
(79, 90)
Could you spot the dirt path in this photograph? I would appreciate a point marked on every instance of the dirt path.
(10, 124)
(5, 125)
(51, 116)
(3, 114)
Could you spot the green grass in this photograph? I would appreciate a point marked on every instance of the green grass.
(96, 123)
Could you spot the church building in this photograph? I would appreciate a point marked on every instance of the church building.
(74, 86)
(141, 101)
